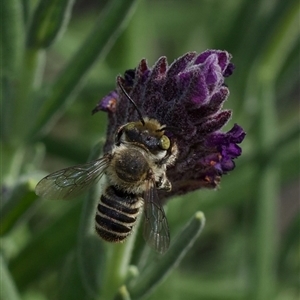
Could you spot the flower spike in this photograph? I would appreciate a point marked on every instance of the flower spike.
(186, 97)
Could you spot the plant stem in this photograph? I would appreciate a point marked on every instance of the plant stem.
(28, 83)
(8, 289)
(117, 264)
(267, 203)
(268, 68)
(89, 247)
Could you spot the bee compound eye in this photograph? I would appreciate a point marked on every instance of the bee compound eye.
(164, 142)
(129, 126)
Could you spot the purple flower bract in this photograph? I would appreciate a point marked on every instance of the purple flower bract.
(186, 96)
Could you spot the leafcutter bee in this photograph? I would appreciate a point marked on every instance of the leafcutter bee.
(135, 170)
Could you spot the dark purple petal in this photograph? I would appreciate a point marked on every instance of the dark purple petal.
(226, 145)
(214, 123)
(223, 58)
(229, 70)
(180, 64)
(108, 103)
(193, 88)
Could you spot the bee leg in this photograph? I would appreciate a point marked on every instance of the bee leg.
(164, 183)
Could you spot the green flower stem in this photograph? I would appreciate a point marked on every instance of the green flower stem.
(284, 37)
(291, 238)
(159, 270)
(29, 81)
(70, 282)
(264, 281)
(89, 246)
(8, 289)
(117, 265)
(123, 294)
(107, 28)
(11, 50)
(265, 248)
(11, 163)
(20, 201)
(12, 37)
(54, 241)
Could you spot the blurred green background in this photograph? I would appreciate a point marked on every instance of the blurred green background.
(250, 247)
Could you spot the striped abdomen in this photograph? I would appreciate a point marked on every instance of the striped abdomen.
(116, 214)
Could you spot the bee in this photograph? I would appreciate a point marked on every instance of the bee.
(135, 169)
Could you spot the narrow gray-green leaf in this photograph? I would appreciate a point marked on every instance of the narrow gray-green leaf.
(54, 242)
(285, 36)
(70, 283)
(265, 251)
(21, 199)
(290, 239)
(11, 50)
(12, 37)
(263, 279)
(90, 248)
(193, 286)
(8, 289)
(107, 28)
(149, 279)
(49, 20)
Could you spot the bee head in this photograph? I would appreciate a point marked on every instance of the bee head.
(150, 135)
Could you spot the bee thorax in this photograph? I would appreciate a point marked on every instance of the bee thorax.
(131, 166)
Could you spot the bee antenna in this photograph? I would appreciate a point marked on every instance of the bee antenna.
(129, 98)
(171, 128)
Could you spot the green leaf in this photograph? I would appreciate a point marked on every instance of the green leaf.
(21, 199)
(106, 30)
(70, 283)
(11, 50)
(284, 37)
(290, 239)
(8, 289)
(193, 286)
(264, 233)
(49, 20)
(90, 249)
(263, 279)
(161, 268)
(47, 249)
(12, 37)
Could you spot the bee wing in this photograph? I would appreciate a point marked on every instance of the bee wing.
(70, 182)
(156, 228)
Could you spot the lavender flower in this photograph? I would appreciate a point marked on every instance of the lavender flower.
(187, 97)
